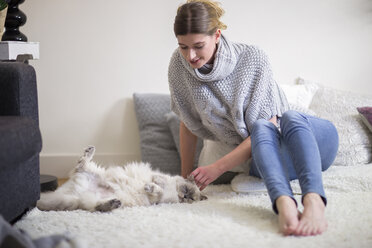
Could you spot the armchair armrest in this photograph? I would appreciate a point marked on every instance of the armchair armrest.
(20, 139)
(18, 90)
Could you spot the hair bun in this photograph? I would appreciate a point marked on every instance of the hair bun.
(213, 4)
(199, 16)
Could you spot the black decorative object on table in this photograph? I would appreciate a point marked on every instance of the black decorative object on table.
(14, 19)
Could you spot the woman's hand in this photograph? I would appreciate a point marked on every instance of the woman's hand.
(205, 175)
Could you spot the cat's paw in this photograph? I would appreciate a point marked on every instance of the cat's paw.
(149, 188)
(89, 152)
(203, 197)
(115, 203)
(153, 189)
(159, 180)
(109, 205)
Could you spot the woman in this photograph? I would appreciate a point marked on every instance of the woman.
(225, 91)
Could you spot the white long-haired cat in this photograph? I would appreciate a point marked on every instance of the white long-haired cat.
(94, 188)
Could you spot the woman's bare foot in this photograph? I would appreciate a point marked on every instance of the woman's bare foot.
(312, 221)
(288, 215)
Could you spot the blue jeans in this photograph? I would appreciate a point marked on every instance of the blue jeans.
(305, 146)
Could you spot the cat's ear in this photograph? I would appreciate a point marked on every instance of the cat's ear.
(190, 178)
(203, 197)
(184, 189)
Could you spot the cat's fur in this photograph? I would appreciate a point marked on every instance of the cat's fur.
(94, 188)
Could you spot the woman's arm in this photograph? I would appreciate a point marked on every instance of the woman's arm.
(207, 174)
(187, 146)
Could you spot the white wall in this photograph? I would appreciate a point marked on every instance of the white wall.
(96, 54)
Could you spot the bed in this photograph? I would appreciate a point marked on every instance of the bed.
(227, 218)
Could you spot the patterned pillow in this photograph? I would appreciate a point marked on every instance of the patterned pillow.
(355, 140)
(366, 116)
(157, 145)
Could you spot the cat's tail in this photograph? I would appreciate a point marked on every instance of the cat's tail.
(57, 201)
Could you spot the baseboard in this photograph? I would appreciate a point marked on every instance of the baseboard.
(60, 165)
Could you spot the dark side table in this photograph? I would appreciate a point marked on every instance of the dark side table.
(48, 183)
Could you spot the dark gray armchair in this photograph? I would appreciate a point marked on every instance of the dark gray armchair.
(20, 140)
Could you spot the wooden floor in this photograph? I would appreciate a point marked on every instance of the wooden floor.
(61, 181)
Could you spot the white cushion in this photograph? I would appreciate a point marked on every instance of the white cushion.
(244, 183)
(214, 150)
(301, 93)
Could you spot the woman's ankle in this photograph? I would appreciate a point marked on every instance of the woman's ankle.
(284, 201)
(312, 198)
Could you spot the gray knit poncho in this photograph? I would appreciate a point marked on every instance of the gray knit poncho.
(223, 104)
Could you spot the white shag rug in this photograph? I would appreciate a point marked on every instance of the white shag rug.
(226, 219)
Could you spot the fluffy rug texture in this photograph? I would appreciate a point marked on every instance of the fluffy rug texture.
(226, 219)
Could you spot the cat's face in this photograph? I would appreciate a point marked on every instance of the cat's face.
(188, 191)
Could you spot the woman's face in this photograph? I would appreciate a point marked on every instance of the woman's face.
(198, 49)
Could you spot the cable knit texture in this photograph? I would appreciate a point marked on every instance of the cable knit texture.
(223, 104)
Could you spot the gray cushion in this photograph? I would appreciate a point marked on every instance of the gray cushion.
(157, 145)
(174, 126)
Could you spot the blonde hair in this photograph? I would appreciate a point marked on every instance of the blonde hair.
(198, 16)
